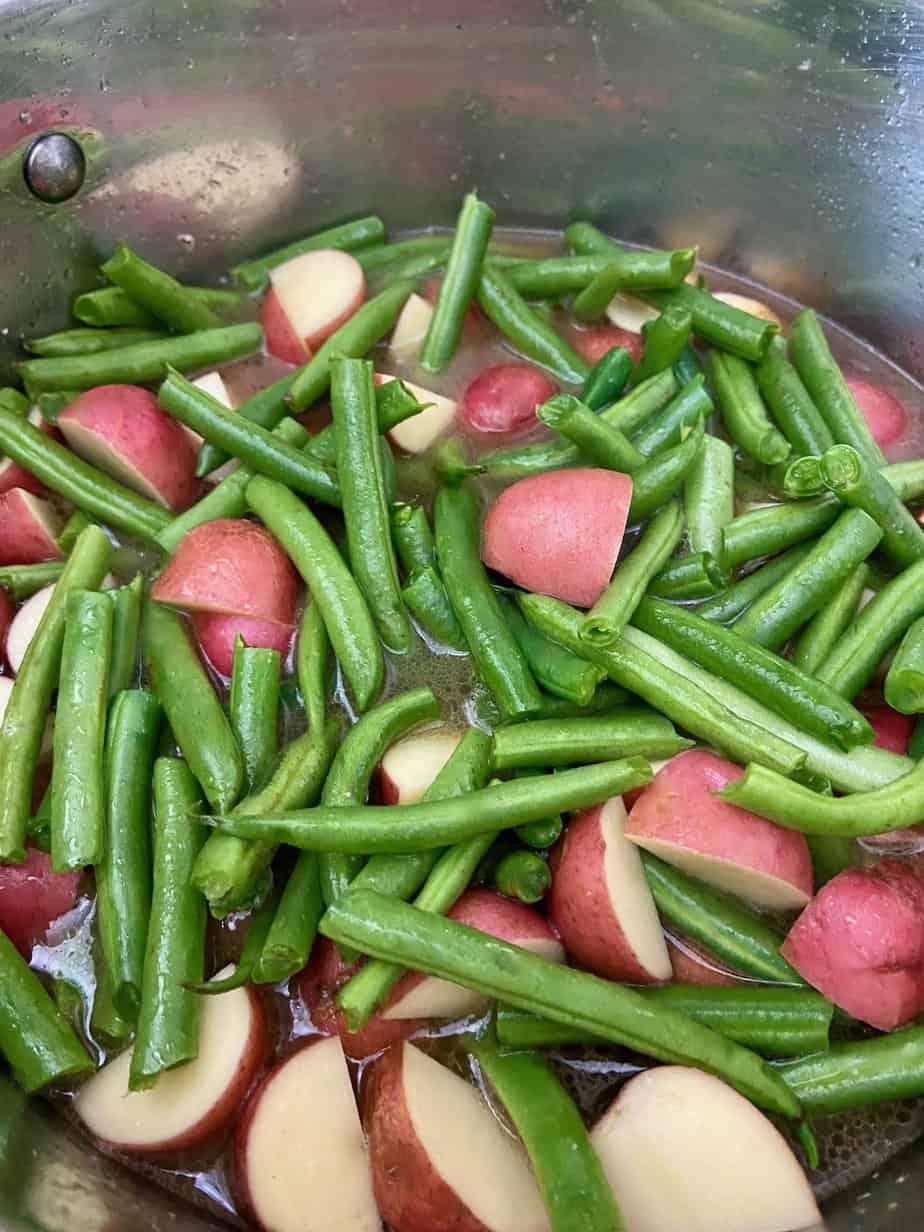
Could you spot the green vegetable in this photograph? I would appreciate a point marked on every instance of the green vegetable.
(696, 576)
(522, 875)
(670, 427)
(111, 306)
(791, 405)
(709, 496)
(362, 233)
(556, 669)
(665, 340)
(24, 580)
(856, 1073)
(503, 305)
(856, 482)
(904, 682)
(627, 732)
(126, 624)
(311, 665)
(158, 294)
(639, 268)
(662, 476)
(470, 242)
(743, 411)
(596, 439)
(825, 628)
(254, 709)
(728, 328)
(607, 379)
(90, 341)
(426, 599)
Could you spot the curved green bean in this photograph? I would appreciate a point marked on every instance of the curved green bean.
(690, 407)
(503, 305)
(287, 945)
(426, 599)
(556, 669)
(607, 379)
(665, 340)
(855, 1073)
(590, 433)
(522, 875)
(413, 538)
(791, 405)
(743, 411)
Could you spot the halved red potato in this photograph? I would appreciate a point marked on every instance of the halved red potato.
(279, 333)
(300, 1160)
(440, 1158)
(681, 820)
(594, 343)
(7, 612)
(12, 475)
(232, 567)
(217, 633)
(122, 430)
(860, 942)
(892, 729)
(32, 897)
(502, 400)
(410, 329)
(888, 418)
(418, 996)
(411, 765)
(417, 434)
(24, 624)
(684, 1152)
(559, 533)
(757, 308)
(599, 901)
(29, 529)
(314, 293)
(630, 313)
(214, 384)
(694, 966)
(192, 1102)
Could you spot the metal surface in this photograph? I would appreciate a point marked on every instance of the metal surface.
(786, 136)
(54, 167)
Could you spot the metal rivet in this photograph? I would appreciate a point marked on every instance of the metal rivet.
(54, 167)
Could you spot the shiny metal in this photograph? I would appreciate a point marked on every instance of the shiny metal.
(54, 168)
(786, 136)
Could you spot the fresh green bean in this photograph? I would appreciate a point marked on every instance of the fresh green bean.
(158, 294)
(904, 682)
(522, 875)
(394, 403)
(466, 257)
(107, 1026)
(191, 705)
(548, 277)
(743, 411)
(401, 933)
(76, 480)
(590, 433)
(856, 1073)
(628, 732)
(168, 1016)
(779, 612)
(389, 255)
(245, 968)
(856, 482)
(607, 696)
(413, 538)
(267, 408)
(343, 609)
(311, 665)
(665, 340)
(226, 500)
(607, 379)
(687, 365)
(826, 386)
(696, 576)
(426, 599)
(791, 405)
(90, 341)
(23, 726)
(78, 790)
(497, 656)
(110, 306)
(779, 684)
(126, 624)
(916, 743)
(639, 267)
(452, 461)
(556, 669)
(725, 606)
(662, 476)
(142, 363)
(830, 856)
(13, 401)
(725, 326)
(773, 528)
(123, 875)
(592, 300)
(709, 496)
(37, 1041)
(294, 926)
(361, 233)
(24, 580)
(253, 708)
(503, 305)
(541, 834)
(802, 478)
(668, 428)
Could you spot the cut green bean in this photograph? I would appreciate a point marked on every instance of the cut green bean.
(107, 1026)
(503, 305)
(541, 834)
(856, 1073)
(413, 538)
(311, 665)
(916, 743)
(522, 875)
(426, 599)
(628, 732)
(709, 496)
(591, 302)
(126, 625)
(590, 433)
(556, 669)
(24, 580)
(90, 341)
(802, 478)
(687, 365)
(245, 968)
(168, 1016)
(729, 328)
(111, 306)
(696, 576)
(662, 476)
(730, 603)
(607, 379)
(743, 411)
(904, 682)
(123, 875)
(773, 528)
(388, 256)
(253, 708)
(791, 405)
(607, 696)
(640, 268)
(665, 340)
(550, 277)
(361, 233)
(287, 946)
(457, 289)
(669, 427)
(856, 482)
(159, 294)
(267, 408)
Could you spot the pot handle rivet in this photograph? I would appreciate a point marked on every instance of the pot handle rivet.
(54, 167)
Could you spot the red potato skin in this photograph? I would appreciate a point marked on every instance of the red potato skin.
(594, 343)
(7, 612)
(501, 401)
(129, 421)
(860, 942)
(892, 729)
(232, 567)
(559, 533)
(23, 538)
(216, 635)
(281, 339)
(704, 971)
(887, 417)
(579, 906)
(32, 897)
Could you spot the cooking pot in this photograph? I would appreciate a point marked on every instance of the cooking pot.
(786, 137)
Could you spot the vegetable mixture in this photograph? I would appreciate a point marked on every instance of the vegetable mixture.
(389, 726)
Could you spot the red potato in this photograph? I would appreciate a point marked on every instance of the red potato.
(29, 529)
(300, 1161)
(410, 329)
(892, 729)
(232, 567)
(418, 996)
(887, 417)
(23, 625)
(315, 294)
(279, 333)
(681, 820)
(440, 1157)
(216, 635)
(694, 966)
(32, 897)
(417, 434)
(684, 1152)
(757, 308)
(7, 612)
(122, 430)
(502, 400)
(559, 533)
(12, 475)
(411, 765)
(594, 343)
(599, 901)
(195, 1101)
(860, 942)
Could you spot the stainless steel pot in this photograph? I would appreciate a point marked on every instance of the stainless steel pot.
(786, 136)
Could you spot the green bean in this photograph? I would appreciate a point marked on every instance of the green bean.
(294, 926)
(13, 401)
(426, 599)
(695, 576)
(351, 773)
(394, 403)
(112, 306)
(413, 538)
(556, 669)
(826, 386)
(548, 277)
(452, 461)
(368, 829)
(365, 510)
(856, 482)
(38, 1043)
(830, 856)
(311, 665)
(343, 609)
(90, 341)
(126, 623)
(592, 435)
(662, 476)
(639, 267)
(141, 363)
(570, 1176)
(387, 255)
(665, 340)
(628, 732)
(226, 500)
(791, 405)
(107, 1026)
(666, 689)
(802, 478)
(668, 428)
(261, 450)
(168, 1016)
(123, 875)
(503, 305)
(77, 801)
(466, 257)
(361, 233)
(267, 408)
(856, 1073)
(76, 480)
(773, 528)
(591, 302)
(709, 496)
(874, 631)
(607, 379)
(158, 294)
(743, 411)
(779, 684)
(191, 705)
(522, 875)
(541, 834)
(916, 743)
(687, 365)
(253, 707)
(24, 580)
(606, 696)
(228, 869)
(494, 968)
(726, 327)
(245, 969)
(904, 682)
(779, 612)
(495, 651)
(23, 726)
